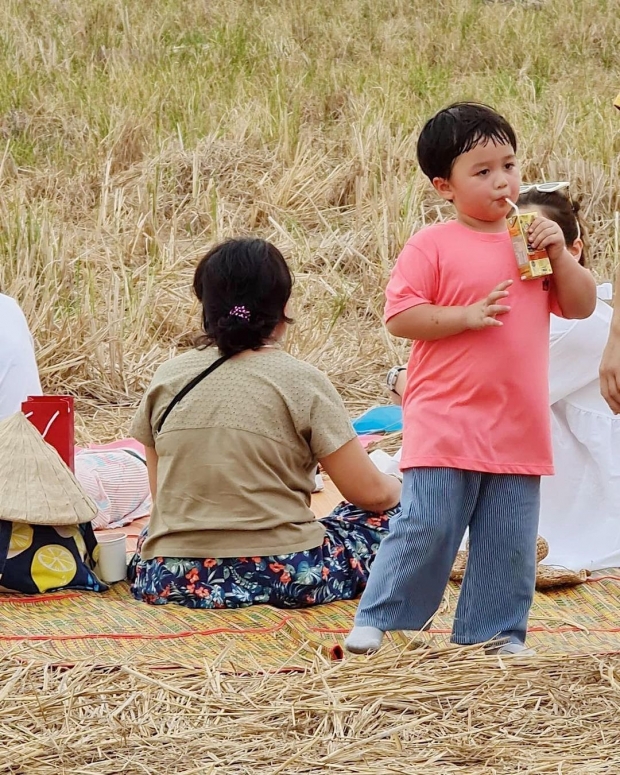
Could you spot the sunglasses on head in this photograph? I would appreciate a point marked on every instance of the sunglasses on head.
(550, 188)
(544, 188)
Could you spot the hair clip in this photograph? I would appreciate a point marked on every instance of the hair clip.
(240, 312)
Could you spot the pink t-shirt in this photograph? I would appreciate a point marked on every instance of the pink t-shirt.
(477, 401)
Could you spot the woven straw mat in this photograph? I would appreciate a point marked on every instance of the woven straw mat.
(112, 628)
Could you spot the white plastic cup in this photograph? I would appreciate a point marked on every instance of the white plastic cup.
(112, 564)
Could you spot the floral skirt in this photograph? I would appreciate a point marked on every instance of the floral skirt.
(336, 570)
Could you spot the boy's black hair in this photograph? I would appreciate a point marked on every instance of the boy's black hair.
(456, 130)
(243, 286)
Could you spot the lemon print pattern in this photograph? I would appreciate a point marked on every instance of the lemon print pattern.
(38, 559)
(52, 566)
(80, 545)
(21, 539)
(76, 535)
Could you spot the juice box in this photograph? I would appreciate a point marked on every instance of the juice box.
(532, 263)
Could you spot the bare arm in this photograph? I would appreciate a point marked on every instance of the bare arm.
(396, 395)
(575, 288)
(610, 364)
(429, 322)
(359, 480)
(151, 467)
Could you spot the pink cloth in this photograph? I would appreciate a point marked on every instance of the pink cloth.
(369, 438)
(118, 483)
(479, 400)
(136, 446)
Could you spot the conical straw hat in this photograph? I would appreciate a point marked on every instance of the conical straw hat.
(36, 486)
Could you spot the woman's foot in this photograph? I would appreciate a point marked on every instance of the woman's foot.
(362, 640)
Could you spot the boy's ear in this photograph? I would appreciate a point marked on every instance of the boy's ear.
(443, 188)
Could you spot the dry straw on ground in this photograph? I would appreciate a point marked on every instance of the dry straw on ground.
(414, 712)
(134, 134)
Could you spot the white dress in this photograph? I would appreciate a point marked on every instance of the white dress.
(19, 377)
(580, 505)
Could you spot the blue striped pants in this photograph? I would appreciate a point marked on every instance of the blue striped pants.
(413, 564)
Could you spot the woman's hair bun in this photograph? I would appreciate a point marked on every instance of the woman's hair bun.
(243, 286)
(233, 334)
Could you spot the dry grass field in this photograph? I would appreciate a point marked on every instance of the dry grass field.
(136, 133)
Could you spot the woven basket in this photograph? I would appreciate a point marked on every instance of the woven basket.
(548, 576)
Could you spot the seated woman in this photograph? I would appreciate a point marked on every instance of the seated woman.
(580, 505)
(233, 432)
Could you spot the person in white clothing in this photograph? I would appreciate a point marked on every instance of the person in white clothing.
(19, 376)
(580, 505)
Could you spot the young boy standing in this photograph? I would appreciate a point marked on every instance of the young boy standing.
(476, 410)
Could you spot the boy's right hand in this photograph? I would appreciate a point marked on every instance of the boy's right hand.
(484, 313)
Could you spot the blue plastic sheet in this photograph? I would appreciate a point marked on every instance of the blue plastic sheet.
(380, 419)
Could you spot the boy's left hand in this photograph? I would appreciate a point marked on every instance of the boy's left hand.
(544, 233)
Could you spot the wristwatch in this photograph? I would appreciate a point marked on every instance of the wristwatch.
(392, 377)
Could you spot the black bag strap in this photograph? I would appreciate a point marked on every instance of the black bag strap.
(190, 386)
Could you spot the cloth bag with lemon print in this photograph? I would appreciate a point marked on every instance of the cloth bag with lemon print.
(46, 540)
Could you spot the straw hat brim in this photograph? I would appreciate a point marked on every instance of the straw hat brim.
(37, 488)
